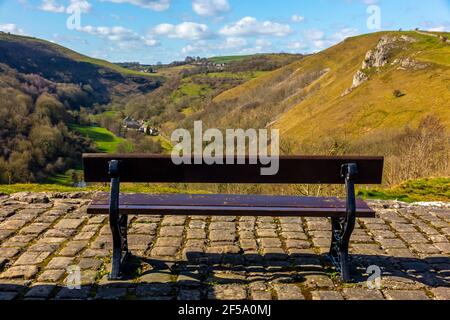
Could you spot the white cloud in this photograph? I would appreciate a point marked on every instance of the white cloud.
(78, 6)
(233, 43)
(52, 6)
(210, 7)
(319, 40)
(11, 28)
(314, 34)
(250, 26)
(185, 30)
(297, 18)
(439, 28)
(124, 38)
(82, 6)
(344, 34)
(297, 45)
(155, 5)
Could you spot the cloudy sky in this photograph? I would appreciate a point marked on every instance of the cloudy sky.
(149, 31)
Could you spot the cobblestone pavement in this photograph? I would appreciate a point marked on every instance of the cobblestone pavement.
(42, 238)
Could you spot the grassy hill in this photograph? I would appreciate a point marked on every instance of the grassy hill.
(54, 47)
(45, 89)
(317, 109)
(104, 140)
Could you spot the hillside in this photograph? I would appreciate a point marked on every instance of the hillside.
(385, 93)
(99, 81)
(44, 89)
(413, 82)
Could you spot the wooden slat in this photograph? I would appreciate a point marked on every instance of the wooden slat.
(292, 170)
(235, 205)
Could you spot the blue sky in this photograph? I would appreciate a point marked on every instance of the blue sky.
(149, 31)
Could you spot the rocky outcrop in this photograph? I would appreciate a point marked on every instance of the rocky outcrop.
(411, 64)
(379, 57)
(359, 78)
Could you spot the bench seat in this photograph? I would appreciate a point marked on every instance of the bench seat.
(226, 205)
(143, 168)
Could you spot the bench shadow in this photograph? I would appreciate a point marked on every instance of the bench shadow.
(431, 271)
(202, 272)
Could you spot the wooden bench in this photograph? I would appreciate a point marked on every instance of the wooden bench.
(292, 170)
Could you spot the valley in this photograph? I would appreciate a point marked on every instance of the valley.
(385, 93)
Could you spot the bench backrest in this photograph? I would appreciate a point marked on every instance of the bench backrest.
(142, 168)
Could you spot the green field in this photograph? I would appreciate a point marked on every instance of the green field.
(436, 189)
(124, 187)
(228, 59)
(104, 140)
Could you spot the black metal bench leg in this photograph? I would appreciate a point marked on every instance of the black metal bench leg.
(118, 224)
(342, 228)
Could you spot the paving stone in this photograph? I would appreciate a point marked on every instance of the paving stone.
(43, 247)
(165, 251)
(383, 234)
(73, 294)
(266, 233)
(139, 242)
(248, 244)
(443, 247)
(327, 295)
(292, 227)
(69, 223)
(169, 242)
(270, 242)
(84, 236)
(26, 272)
(362, 294)
(105, 293)
(5, 234)
(95, 253)
(295, 235)
(174, 221)
(223, 249)
(321, 242)
(441, 293)
(59, 233)
(59, 263)
(35, 228)
(18, 241)
(89, 263)
(318, 281)
(154, 290)
(143, 228)
(222, 226)
(406, 295)
(189, 279)
(9, 252)
(40, 290)
(297, 244)
(392, 243)
(171, 231)
(221, 235)
(51, 275)
(73, 248)
(12, 224)
(254, 257)
(156, 277)
(288, 292)
(8, 295)
(425, 248)
(31, 258)
(189, 295)
(227, 292)
(261, 295)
